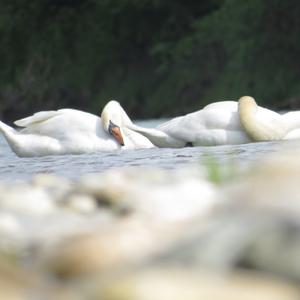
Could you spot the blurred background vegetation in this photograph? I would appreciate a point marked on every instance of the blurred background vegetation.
(158, 58)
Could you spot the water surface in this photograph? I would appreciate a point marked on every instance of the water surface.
(73, 166)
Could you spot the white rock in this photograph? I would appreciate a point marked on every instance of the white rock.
(160, 194)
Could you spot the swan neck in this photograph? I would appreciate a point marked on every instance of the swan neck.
(255, 126)
(156, 137)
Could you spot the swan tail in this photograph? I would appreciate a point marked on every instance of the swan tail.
(4, 128)
(11, 136)
(36, 118)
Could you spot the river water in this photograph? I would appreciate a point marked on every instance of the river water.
(13, 168)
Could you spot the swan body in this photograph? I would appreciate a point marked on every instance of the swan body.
(222, 123)
(70, 131)
(216, 124)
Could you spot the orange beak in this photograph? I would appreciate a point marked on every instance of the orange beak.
(116, 132)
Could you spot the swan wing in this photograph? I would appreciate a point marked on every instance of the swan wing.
(64, 124)
(36, 118)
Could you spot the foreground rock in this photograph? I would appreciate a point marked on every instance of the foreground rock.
(179, 284)
(152, 234)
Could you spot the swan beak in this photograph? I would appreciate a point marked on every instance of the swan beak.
(116, 132)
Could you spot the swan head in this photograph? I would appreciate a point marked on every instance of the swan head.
(112, 120)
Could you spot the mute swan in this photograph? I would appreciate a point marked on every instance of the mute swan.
(70, 131)
(221, 123)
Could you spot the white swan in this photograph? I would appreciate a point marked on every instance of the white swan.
(70, 131)
(222, 123)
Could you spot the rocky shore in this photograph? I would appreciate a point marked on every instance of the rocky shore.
(146, 233)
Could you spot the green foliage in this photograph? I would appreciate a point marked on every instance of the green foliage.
(158, 58)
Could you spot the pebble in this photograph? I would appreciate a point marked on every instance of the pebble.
(81, 203)
(25, 198)
(180, 284)
(142, 233)
(156, 194)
